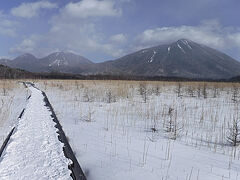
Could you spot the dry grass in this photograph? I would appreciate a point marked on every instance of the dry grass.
(11, 94)
(200, 121)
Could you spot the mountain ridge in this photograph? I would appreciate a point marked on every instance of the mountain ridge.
(182, 58)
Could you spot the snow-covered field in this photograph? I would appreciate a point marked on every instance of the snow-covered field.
(149, 130)
(140, 130)
(12, 100)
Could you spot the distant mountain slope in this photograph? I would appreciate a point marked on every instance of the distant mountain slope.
(26, 61)
(183, 58)
(65, 62)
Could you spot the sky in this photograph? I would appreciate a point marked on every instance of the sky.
(107, 29)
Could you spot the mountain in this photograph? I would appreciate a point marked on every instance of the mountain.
(183, 58)
(26, 62)
(65, 62)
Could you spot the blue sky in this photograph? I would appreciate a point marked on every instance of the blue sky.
(106, 29)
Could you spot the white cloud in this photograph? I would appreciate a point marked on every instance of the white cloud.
(235, 39)
(7, 27)
(74, 29)
(91, 8)
(28, 45)
(4, 57)
(118, 38)
(84, 38)
(208, 32)
(29, 10)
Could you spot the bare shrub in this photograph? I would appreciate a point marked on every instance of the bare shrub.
(173, 128)
(155, 124)
(4, 91)
(190, 91)
(110, 97)
(143, 92)
(235, 94)
(233, 135)
(204, 91)
(179, 89)
(157, 90)
(89, 116)
(86, 97)
(199, 91)
(215, 91)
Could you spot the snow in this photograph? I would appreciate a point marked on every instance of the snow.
(152, 57)
(57, 61)
(181, 48)
(186, 43)
(65, 63)
(115, 141)
(34, 151)
(169, 49)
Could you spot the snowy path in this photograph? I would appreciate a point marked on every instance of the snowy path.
(34, 151)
